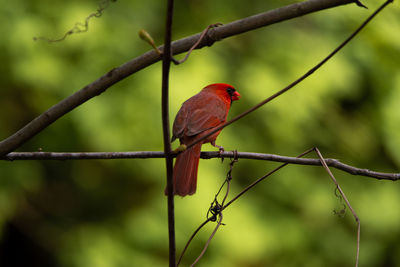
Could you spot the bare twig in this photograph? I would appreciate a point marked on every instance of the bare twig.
(191, 238)
(205, 155)
(293, 84)
(117, 74)
(209, 239)
(166, 134)
(345, 199)
(202, 35)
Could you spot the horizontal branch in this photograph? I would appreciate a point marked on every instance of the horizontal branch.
(117, 74)
(204, 155)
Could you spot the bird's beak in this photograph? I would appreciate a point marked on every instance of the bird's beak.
(235, 96)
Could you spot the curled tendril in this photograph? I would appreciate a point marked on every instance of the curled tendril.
(79, 27)
(215, 210)
(342, 211)
(215, 207)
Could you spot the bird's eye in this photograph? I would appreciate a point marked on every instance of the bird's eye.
(230, 91)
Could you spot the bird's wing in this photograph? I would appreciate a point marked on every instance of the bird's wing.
(180, 122)
(210, 114)
(199, 113)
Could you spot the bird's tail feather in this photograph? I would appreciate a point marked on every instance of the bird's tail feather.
(185, 171)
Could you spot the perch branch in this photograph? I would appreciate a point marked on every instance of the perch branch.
(205, 155)
(119, 73)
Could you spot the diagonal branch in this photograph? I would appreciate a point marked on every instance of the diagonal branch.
(205, 155)
(117, 74)
(297, 81)
(323, 161)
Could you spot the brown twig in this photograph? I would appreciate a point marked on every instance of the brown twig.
(209, 240)
(204, 155)
(190, 240)
(117, 74)
(345, 199)
(202, 35)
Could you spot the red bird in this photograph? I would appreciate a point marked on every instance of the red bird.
(198, 116)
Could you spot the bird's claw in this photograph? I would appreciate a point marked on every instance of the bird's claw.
(221, 150)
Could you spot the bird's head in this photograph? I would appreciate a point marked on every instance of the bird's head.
(224, 90)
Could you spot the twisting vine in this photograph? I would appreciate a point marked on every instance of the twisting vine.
(214, 213)
(79, 27)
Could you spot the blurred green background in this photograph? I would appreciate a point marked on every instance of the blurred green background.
(113, 212)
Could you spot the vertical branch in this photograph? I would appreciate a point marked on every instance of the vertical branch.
(166, 134)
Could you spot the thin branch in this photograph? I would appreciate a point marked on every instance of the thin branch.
(293, 84)
(166, 134)
(323, 161)
(209, 240)
(81, 155)
(117, 74)
(202, 35)
(191, 238)
(204, 155)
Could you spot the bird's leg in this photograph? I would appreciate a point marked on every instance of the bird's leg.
(221, 149)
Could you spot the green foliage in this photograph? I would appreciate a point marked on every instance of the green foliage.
(113, 213)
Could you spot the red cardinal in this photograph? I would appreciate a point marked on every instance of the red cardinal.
(198, 116)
